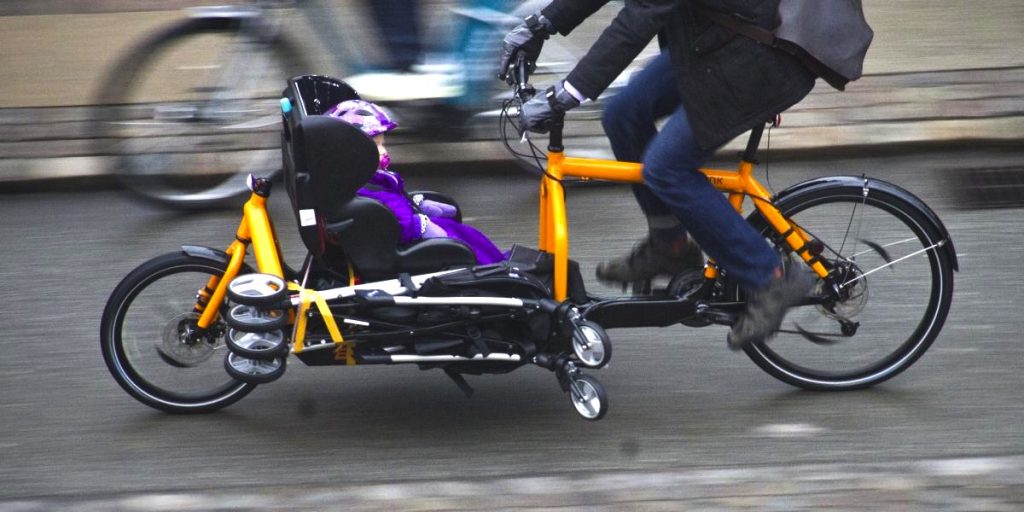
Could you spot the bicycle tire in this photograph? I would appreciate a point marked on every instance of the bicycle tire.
(191, 149)
(880, 302)
(146, 314)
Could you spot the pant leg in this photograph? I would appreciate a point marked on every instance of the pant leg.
(671, 165)
(629, 120)
(398, 28)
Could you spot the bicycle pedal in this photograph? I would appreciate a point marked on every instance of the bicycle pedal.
(642, 286)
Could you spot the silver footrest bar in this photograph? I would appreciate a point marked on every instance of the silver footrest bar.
(391, 287)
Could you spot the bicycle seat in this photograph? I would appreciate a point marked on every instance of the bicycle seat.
(325, 162)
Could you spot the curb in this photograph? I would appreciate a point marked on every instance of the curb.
(982, 483)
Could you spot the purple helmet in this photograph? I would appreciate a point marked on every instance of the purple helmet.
(366, 116)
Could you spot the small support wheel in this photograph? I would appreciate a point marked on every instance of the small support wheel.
(591, 344)
(253, 319)
(257, 289)
(588, 397)
(265, 346)
(254, 371)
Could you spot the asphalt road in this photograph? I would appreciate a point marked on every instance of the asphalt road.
(680, 400)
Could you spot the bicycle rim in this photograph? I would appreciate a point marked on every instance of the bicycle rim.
(897, 287)
(144, 348)
(195, 111)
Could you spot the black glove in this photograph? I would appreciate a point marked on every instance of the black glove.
(542, 112)
(527, 38)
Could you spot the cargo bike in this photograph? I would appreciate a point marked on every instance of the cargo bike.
(197, 329)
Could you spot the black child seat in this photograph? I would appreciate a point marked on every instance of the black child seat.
(325, 162)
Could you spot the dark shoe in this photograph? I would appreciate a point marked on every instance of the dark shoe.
(767, 307)
(650, 258)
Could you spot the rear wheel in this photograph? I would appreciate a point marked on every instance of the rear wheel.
(152, 345)
(890, 291)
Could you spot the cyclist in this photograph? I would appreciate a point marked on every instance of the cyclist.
(712, 85)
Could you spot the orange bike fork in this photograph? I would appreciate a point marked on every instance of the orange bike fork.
(255, 228)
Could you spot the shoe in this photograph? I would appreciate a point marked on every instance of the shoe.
(767, 307)
(650, 258)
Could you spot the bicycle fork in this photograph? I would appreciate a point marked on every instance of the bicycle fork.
(255, 229)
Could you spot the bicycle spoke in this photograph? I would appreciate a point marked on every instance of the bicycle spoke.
(890, 244)
(859, 219)
(893, 262)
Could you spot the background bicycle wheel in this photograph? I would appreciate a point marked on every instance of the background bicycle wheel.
(193, 109)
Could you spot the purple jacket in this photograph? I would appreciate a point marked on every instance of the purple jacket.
(388, 188)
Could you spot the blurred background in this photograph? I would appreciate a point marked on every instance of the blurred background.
(55, 51)
(933, 73)
(940, 111)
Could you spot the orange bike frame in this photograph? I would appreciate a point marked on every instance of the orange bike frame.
(256, 229)
(554, 230)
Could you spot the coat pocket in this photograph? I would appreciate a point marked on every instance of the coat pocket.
(710, 39)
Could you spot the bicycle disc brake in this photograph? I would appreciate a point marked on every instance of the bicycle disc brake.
(182, 345)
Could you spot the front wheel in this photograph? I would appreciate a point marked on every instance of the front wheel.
(890, 287)
(151, 343)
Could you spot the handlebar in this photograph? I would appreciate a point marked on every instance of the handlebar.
(519, 79)
(523, 92)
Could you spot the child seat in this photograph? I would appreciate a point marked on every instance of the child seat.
(325, 162)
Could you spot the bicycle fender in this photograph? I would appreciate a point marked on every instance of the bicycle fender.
(869, 185)
(206, 253)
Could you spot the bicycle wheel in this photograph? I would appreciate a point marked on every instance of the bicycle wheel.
(194, 109)
(893, 263)
(150, 344)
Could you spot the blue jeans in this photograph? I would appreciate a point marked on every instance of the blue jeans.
(674, 184)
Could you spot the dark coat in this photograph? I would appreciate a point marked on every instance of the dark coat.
(728, 82)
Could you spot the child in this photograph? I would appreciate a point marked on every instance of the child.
(418, 218)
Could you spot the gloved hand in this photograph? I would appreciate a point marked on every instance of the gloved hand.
(527, 38)
(542, 112)
(434, 208)
(437, 209)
